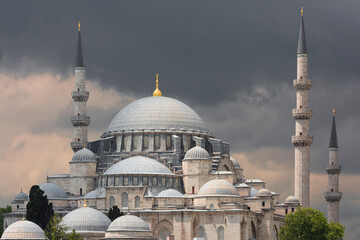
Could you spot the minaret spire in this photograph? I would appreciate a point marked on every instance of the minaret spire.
(302, 114)
(80, 120)
(157, 92)
(333, 196)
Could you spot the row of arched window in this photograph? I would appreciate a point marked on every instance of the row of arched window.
(220, 233)
(138, 181)
(125, 201)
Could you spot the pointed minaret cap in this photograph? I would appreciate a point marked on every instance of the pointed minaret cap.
(157, 92)
(333, 136)
(302, 40)
(79, 56)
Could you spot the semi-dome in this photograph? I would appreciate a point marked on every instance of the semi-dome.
(292, 199)
(86, 219)
(197, 153)
(235, 163)
(264, 193)
(97, 193)
(84, 155)
(170, 193)
(21, 196)
(156, 113)
(23, 229)
(138, 165)
(253, 192)
(218, 187)
(129, 223)
(52, 190)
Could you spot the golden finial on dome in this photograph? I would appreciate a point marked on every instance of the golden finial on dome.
(79, 26)
(85, 205)
(333, 111)
(157, 92)
(302, 11)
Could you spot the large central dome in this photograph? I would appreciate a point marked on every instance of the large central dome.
(157, 114)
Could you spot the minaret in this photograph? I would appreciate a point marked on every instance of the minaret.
(80, 120)
(302, 114)
(333, 196)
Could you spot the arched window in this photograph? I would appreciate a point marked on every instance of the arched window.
(124, 200)
(201, 232)
(137, 202)
(154, 181)
(111, 201)
(221, 233)
(145, 181)
(212, 207)
(117, 181)
(164, 234)
(135, 181)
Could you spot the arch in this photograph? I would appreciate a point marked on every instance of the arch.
(201, 232)
(163, 229)
(221, 233)
(124, 200)
(243, 229)
(212, 207)
(252, 232)
(137, 202)
(111, 201)
(275, 233)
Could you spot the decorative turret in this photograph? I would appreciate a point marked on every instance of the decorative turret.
(302, 139)
(333, 196)
(80, 120)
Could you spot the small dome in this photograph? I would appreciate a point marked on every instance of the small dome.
(263, 193)
(292, 199)
(235, 163)
(129, 223)
(138, 165)
(197, 153)
(170, 193)
(23, 229)
(84, 155)
(253, 192)
(97, 193)
(52, 190)
(86, 219)
(218, 187)
(21, 196)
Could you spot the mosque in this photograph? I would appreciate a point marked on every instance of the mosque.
(173, 179)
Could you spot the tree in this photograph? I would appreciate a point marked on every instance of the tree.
(3, 210)
(308, 223)
(114, 213)
(55, 231)
(38, 209)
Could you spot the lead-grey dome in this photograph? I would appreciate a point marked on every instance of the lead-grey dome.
(170, 193)
(264, 193)
(21, 196)
(52, 190)
(97, 193)
(129, 223)
(156, 113)
(218, 187)
(84, 155)
(197, 153)
(292, 199)
(23, 229)
(86, 219)
(235, 163)
(138, 165)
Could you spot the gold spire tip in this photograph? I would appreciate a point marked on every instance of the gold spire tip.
(85, 205)
(333, 111)
(157, 92)
(302, 11)
(79, 26)
(84, 145)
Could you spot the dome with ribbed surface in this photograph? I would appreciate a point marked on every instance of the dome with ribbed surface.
(129, 223)
(218, 187)
(84, 155)
(170, 193)
(197, 153)
(156, 114)
(292, 199)
(21, 196)
(138, 165)
(23, 229)
(264, 193)
(97, 193)
(86, 219)
(53, 191)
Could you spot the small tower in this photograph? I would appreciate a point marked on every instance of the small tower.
(333, 196)
(302, 114)
(80, 96)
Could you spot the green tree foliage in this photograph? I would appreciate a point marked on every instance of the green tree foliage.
(38, 209)
(56, 231)
(114, 213)
(310, 224)
(3, 210)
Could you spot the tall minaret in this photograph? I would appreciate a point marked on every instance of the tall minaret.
(80, 120)
(302, 139)
(333, 196)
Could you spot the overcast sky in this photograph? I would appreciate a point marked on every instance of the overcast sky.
(232, 61)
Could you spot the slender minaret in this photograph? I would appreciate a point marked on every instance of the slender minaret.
(302, 139)
(333, 196)
(80, 120)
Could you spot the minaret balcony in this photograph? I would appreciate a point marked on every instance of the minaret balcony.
(80, 120)
(302, 113)
(80, 96)
(333, 196)
(333, 169)
(302, 141)
(302, 84)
